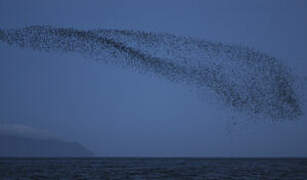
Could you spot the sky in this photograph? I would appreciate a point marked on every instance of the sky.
(117, 112)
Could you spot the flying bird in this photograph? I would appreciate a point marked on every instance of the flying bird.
(243, 78)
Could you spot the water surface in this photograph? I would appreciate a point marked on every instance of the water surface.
(152, 168)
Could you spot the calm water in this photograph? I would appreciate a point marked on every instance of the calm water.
(152, 168)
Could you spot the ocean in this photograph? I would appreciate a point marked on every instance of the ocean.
(152, 168)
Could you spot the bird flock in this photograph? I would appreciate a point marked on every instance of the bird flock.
(242, 78)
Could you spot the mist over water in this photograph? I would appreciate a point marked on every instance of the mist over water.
(243, 78)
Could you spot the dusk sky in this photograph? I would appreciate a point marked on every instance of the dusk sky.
(118, 112)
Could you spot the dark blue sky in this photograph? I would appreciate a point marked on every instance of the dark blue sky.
(116, 112)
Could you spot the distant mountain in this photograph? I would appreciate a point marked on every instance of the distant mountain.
(17, 146)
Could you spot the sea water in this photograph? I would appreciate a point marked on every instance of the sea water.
(152, 168)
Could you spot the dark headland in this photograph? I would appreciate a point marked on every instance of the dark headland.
(16, 146)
